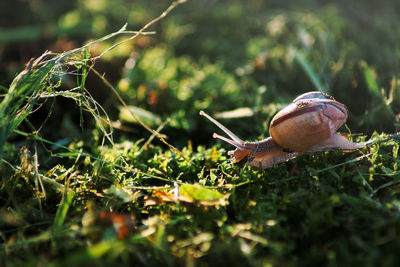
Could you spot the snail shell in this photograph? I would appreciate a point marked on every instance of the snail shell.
(308, 124)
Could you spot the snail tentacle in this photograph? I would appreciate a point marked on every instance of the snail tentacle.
(236, 139)
(230, 141)
(263, 153)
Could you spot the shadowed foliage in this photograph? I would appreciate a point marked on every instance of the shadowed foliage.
(106, 160)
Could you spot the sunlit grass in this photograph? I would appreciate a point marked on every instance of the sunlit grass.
(147, 191)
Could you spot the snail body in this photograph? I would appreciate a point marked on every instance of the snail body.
(308, 124)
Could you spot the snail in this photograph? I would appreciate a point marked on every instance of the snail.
(308, 124)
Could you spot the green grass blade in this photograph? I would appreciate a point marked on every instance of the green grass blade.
(62, 210)
(370, 79)
(306, 66)
(21, 96)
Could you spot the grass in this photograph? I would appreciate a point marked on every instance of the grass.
(153, 188)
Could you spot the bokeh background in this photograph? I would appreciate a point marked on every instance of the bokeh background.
(69, 196)
(215, 56)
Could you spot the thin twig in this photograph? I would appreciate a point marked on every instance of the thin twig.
(165, 13)
(155, 133)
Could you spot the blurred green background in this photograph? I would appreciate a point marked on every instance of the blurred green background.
(247, 57)
(217, 56)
